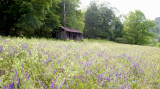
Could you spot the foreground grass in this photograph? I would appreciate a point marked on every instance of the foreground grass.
(40, 63)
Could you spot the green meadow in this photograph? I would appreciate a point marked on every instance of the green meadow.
(53, 64)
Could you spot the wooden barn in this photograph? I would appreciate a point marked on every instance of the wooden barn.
(69, 33)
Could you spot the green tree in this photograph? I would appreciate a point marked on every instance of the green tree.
(98, 20)
(9, 15)
(92, 20)
(74, 16)
(27, 17)
(136, 28)
(157, 29)
(51, 21)
(117, 27)
(37, 17)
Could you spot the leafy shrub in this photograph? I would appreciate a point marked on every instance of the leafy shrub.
(152, 42)
(121, 40)
(158, 44)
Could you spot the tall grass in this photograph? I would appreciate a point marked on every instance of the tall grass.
(47, 64)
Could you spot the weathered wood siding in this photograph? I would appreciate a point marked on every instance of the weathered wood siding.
(63, 35)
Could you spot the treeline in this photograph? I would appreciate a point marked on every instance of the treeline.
(101, 22)
(41, 18)
(38, 18)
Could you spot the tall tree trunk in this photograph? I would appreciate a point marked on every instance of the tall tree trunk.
(64, 13)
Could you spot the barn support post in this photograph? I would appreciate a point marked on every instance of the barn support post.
(64, 35)
(77, 37)
(81, 37)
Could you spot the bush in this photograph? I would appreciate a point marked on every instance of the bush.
(158, 44)
(121, 40)
(152, 42)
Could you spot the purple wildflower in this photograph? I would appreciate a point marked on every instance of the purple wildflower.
(49, 59)
(64, 82)
(30, 53)
(0, 80)
(28, 77)
(60, 86)
(120, 75)
(128, 86)
(135, 81)
(1, 49)
(106, 65)
(11, 86)
(71, 82)
(56, 79)
(5, 87)
(98, 78)
(66, 63)
(45, 87)
(79, 76)
(51, 80)
(63, 70)
(51, 64)
(55, 71)
(38, 79)
(117, 74)
(93, 72)
(43, 84)
(76, 84)
(89, 72)
(67, 85)
(52, 85)
(109, 79)
(16, 72)
(5, 42)
(19, 83)
(8, 69)
(123, 87)
(97, 69)
(2, 72)
(26, 74)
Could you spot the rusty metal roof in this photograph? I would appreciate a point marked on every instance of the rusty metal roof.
(71, 30)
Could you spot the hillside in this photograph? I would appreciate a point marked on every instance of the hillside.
(50, 64)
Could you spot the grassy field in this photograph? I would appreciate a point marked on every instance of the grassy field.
(50, 64)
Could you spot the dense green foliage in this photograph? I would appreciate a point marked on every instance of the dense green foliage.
(47, 64)
(24, 17)
(101, 22)
(37, 17)
(137, 28)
